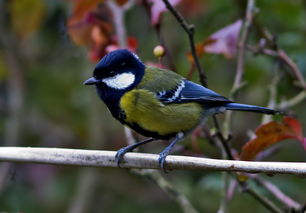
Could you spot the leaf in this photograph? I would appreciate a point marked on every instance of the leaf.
(158, 7)
(121, 2)
(91, 25)
(272, 133)
(26, 16)
(224, 41)
(88, 22)
(81, 8)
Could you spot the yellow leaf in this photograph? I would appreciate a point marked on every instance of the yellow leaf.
(26, 16)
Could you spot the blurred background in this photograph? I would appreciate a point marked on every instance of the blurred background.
(49, 47)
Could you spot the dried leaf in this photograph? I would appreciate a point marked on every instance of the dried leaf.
(91, 25)
(271, 133)
(81, 8)
(224, 41)
(27, 16)
(121, 2)
(158, 7)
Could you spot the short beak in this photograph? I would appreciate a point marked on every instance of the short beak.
(90, 81)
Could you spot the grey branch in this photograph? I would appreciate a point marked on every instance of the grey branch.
(93, 158)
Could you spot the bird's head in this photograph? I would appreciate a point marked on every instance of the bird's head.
(118, 70)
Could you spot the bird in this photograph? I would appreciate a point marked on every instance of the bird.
(156, 103)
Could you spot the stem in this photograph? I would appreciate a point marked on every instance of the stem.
(166, 186)
(277, 193)
(189, 29)
(238, 84)
(250, 11)
(263, 200)
(273, 91)
(294, 68)
(118, 14)
(281, 54)
(224, 141)
(293, 101)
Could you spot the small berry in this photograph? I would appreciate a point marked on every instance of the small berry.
(159, 51)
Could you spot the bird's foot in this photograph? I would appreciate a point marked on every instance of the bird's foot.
(162, 159)
(167, 150)
(120, 154)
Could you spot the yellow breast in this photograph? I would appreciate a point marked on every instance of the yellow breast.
(142, 107)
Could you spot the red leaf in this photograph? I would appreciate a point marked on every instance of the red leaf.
(223, 41)
(158, 7)
(89, 24)
(271, 133)
(81, 8)
(121, 2)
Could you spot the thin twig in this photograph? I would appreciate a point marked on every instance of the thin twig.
(250, 11)
(281, 54)
(223, 140)
(94, 158)
(263, 200)
(272, 90)
(223, 206)
(293, 101)
(294, 68)
(167, 187)
(237, 85)
(189, 29)
(118, 13)
(277, 193)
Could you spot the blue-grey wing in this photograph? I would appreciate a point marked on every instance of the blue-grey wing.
(188, 91)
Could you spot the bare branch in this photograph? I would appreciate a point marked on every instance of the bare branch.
(250, 11)
(94, 158)
(263, 200)
(278, 193)
(293, 101)
(167, 187)
(189, 29)
(281, 54)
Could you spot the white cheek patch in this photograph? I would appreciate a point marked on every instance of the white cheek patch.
(120, 81)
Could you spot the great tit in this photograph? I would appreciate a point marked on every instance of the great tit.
(155, 102)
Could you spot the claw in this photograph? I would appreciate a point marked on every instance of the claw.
(162, 161)
(167, 150)
(120, 154)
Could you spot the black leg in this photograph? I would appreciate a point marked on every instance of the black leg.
(167, 150)
(121, 152)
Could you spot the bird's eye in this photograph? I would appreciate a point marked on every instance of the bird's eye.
(111, 72)
(123, 64)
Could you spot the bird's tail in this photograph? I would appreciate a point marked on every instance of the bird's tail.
(251, 108)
